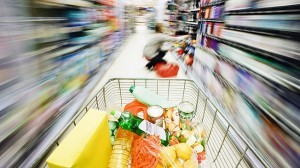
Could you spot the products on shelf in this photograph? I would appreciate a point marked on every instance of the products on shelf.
(55, 53)
(248, 63)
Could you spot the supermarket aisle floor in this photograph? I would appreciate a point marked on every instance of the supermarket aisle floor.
(130, 62)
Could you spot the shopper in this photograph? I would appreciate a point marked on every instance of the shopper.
(153, 51)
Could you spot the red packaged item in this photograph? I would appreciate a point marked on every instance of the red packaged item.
(166, 70)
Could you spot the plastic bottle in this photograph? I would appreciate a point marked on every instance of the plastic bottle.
(149, 98)
(121, 153)
(139, 126)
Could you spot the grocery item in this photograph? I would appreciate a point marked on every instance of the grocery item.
(190, 164)
(155, 114)
(139, 126)
(183, 151)
(85, 144)
(186, 110)
(121, 153)
(145, 152)
(173, 140)
(172, 119)
(168, 156)
(177, 164)
(137, 108)
(113, 125)
(192, 134)
(149, 98)
(166, 70)
(176, 156)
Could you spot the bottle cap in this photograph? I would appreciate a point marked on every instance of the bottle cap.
(131, 89)
(116, 114)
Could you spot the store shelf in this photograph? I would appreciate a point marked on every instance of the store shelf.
(105, 2)
(47, 84)
(174, 4)
(271, 69)
(68, 115)
(263, 76)
(194, 10)
(267, 10)
(280, 58)
(213, 4)
(183, 11)
(75, 3)
(171, 20)
(278, 117)
(213, 37)
(33, 19)
(211, 20)
(171, 13)
(192, 23)
(264, 31)
(224, 112)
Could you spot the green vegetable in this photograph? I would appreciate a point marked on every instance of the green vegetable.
(112, 125)
(203, 143)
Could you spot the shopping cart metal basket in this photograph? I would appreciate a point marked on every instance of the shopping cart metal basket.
(225, 146)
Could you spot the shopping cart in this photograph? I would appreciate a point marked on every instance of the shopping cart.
(225, 147)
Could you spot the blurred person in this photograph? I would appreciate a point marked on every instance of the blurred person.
(153, 51)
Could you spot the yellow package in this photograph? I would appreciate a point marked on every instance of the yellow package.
(86, 146)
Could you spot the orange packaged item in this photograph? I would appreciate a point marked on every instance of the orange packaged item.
(138, 109)
(145, 152)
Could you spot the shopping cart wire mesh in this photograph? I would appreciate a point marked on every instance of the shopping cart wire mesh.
(225, 146)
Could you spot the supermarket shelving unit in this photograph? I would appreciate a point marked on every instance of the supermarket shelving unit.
(171, 16)
(260, 76)
(56, 53)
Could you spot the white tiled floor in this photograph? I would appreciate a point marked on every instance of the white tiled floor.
(130, 63)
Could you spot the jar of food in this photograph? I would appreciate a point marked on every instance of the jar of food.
(155, 115)
(186, 110)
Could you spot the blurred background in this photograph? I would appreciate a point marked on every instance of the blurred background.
(244, 54)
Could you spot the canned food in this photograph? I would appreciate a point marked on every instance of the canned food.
(155, 114)
(186, 110)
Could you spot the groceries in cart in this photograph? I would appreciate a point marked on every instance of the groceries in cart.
(151, 132)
